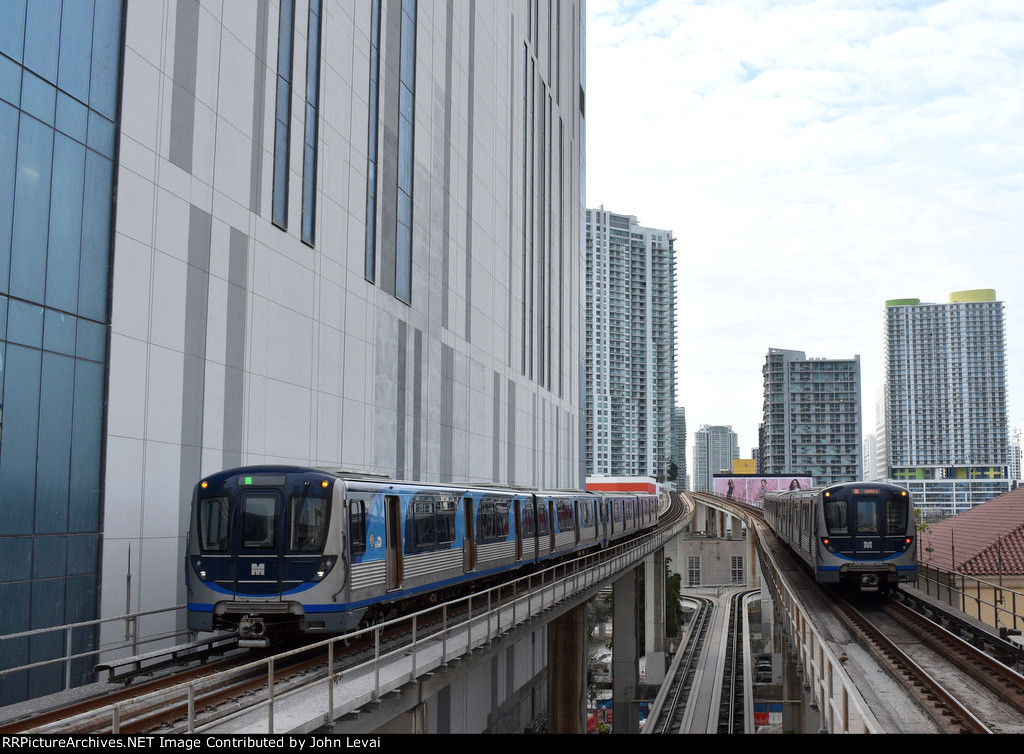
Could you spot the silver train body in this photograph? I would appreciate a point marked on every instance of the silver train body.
(859, 534)
(278, 549)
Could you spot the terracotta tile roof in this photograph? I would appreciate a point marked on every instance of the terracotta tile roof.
(983, 541)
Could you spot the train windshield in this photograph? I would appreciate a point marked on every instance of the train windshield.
(307, 523)
(259, 516)
(836, 518)
(214, 515)
(865, 515)
(896, 514)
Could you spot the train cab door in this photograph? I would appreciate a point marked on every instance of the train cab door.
(393, 523)
(866, 517)
(469, 537)
(258, 544)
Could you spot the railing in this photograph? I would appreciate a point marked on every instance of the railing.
(465, 624)
(132, 641)
(434, 637)
(840, 703)
(988, 601)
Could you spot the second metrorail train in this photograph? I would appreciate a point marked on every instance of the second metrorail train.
(279, 549)
(857, 534)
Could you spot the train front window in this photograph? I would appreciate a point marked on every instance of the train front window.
(258, 521)
(214, 524)
(307, 523)
(866, 515)
(896, 510)
(836, 518)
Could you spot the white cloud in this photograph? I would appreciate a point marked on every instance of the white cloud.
(848, 151)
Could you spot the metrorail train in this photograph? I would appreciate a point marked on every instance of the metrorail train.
(275, 550)
(857, 534)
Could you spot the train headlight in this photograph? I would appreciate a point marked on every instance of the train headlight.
(324, 567)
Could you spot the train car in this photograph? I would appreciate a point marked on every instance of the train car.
(858, 534)
(274, 550)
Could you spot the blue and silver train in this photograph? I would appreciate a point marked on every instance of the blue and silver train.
(856, 534)
(274, 550)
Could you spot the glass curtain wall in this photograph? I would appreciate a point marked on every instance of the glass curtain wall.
(59, 83)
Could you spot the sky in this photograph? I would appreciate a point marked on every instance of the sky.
(812, 158)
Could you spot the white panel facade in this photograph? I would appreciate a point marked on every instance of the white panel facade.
(234, 340)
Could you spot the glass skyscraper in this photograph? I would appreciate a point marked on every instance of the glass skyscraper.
(59, 86)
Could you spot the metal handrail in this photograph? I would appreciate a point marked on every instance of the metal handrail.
(132, 641)
(489, 614)
(944, 584)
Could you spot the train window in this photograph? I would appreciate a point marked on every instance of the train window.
(501, 517)
(836, 519)
(528, 524)
(565, 516)
(258, 521)
(491, 520)
(896, 510)
(586, 513)
(433, 522)
(485, 521)
(357, 527)
(423, 526)
(214, 518)
(445, 522)
(307, 523)
(542, 519)
(866, 515)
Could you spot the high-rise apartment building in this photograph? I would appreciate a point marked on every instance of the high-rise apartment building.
(629, 346)
(714, 448)
(811, 418)
(945, 398)
(300, 231)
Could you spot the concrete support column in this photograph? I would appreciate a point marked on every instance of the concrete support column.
(654, 617)
(567, 672)
(625, 652)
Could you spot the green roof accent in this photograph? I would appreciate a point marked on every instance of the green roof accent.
(903, 302)
(970, 297)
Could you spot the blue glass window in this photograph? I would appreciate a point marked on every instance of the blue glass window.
(31, 209)
(282, 129)
(59, 85)
(309, 151)
(406, 116)
(370, 271)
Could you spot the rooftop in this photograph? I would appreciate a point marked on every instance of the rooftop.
(984, 541)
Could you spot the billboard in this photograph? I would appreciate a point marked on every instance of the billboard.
(627, 484)
(751, 488)
(744, 466)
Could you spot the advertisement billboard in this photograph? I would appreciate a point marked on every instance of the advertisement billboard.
(751, 488)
